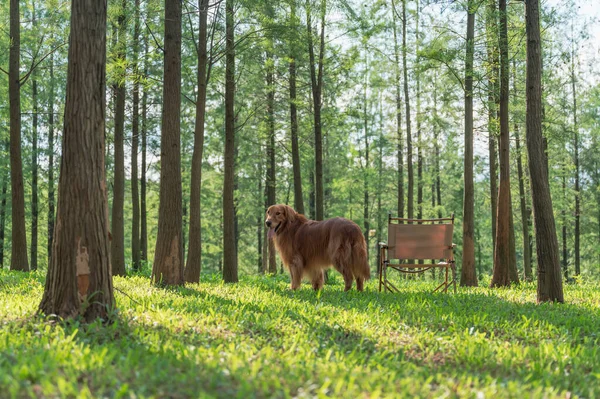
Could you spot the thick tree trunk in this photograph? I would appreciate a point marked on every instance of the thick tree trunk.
(168, 255)
(117, 245)
(34, 176)
(18, 256)
(51, 160)
(399, 138)
(549, 276)
(230, 266)
(80, 265)
(468, 275)
(316, 75)
(409, 160)
(193, 266)
(502, 255)
(135, 136)
(298, 199)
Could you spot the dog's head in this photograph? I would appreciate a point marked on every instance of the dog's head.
(278, 217)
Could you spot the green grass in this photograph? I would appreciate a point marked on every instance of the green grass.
(259, 339)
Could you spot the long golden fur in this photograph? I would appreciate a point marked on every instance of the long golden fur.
(308, 247)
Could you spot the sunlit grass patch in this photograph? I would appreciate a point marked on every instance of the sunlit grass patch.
(259, 339)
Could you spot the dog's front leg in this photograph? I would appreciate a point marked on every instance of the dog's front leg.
(296, 273)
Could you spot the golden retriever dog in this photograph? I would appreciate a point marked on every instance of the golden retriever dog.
(308, 247)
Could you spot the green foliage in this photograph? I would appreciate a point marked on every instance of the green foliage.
(259, 339)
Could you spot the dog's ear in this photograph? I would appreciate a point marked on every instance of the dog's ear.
(290, 214)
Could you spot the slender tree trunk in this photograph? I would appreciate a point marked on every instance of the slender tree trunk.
(144, 123)
(316, 74)
(512, 265)
(168, 255)
(34, 176)
(468, 275)
(366, 223)
(549, 276)
(80, 265)
(502, 255)
(565, 252)
(194, 258)
(399, 138)
(528, 275)
(51, 160)
(409, 160)
(3, 215)
(230, 266)
(18, 256)
(298, 199)
(577, 171)
(419, 138)
(493, 100)
(135, 135)
(436, 143)
(380, 180)
(260, 219)
(117, 247)
(271, 147)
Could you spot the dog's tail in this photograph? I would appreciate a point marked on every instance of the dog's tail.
(360, 260)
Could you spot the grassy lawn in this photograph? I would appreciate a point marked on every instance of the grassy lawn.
(259, 339)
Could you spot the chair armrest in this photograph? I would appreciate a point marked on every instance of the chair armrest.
(383, 244)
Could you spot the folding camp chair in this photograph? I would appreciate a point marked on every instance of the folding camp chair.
(411, 240)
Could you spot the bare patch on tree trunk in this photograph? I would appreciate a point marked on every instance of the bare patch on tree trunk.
(82, 262)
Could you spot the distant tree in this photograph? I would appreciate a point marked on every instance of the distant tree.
(270, 101)
(135, 141)
(399, 138)
(167, 268)
(230, 260)
(51, 136)
(409, 154)
(143, 150)
(549, 277)
(79, 280)
(117, 245)
(576, 150)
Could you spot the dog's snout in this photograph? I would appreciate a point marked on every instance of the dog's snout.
(268, 223)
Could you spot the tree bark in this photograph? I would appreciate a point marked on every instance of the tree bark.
(193, 266)
(493, 100)
(549, 276)
(436, 144)
(18, 256)
(80, 265)
(316, 75)
(565, 252)
(502, 255)
(419, 143)
(409, 164)
(366, 221)
(399, 137)
(468, 275)
(117, 245)
(168, 255)
(577, 171)
(135, 135)
(3, 214)
(34, 175)
(298, 198)
(230, 262)
(270, 183)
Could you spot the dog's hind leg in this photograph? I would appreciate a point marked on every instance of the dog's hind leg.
(296, 273)
(360, 283)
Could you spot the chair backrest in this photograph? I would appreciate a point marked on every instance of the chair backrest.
(420, 241)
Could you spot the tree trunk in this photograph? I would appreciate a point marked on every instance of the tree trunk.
(3, 216)
(193, 266)
(528, 275)
(366, 222)
(143, 210)
(260, 220)
(436, 143)
(34, 176)
(18, 258)
(230, 266)
(80, 265)
(316, 75)
(51, 160)
(135, 135)
(565, 252)
(409, 165)
(549, 276)
(399, 137)
(468, 275)
(270, 183)
(512, 265)
(493, 100)
(419, 143)
(298, 199)
(117, 245)
(168, 255)
(577, 171)
(502, 254)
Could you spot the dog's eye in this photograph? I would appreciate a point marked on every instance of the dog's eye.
(278, 213)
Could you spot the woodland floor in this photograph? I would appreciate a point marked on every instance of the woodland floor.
(259, 339)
